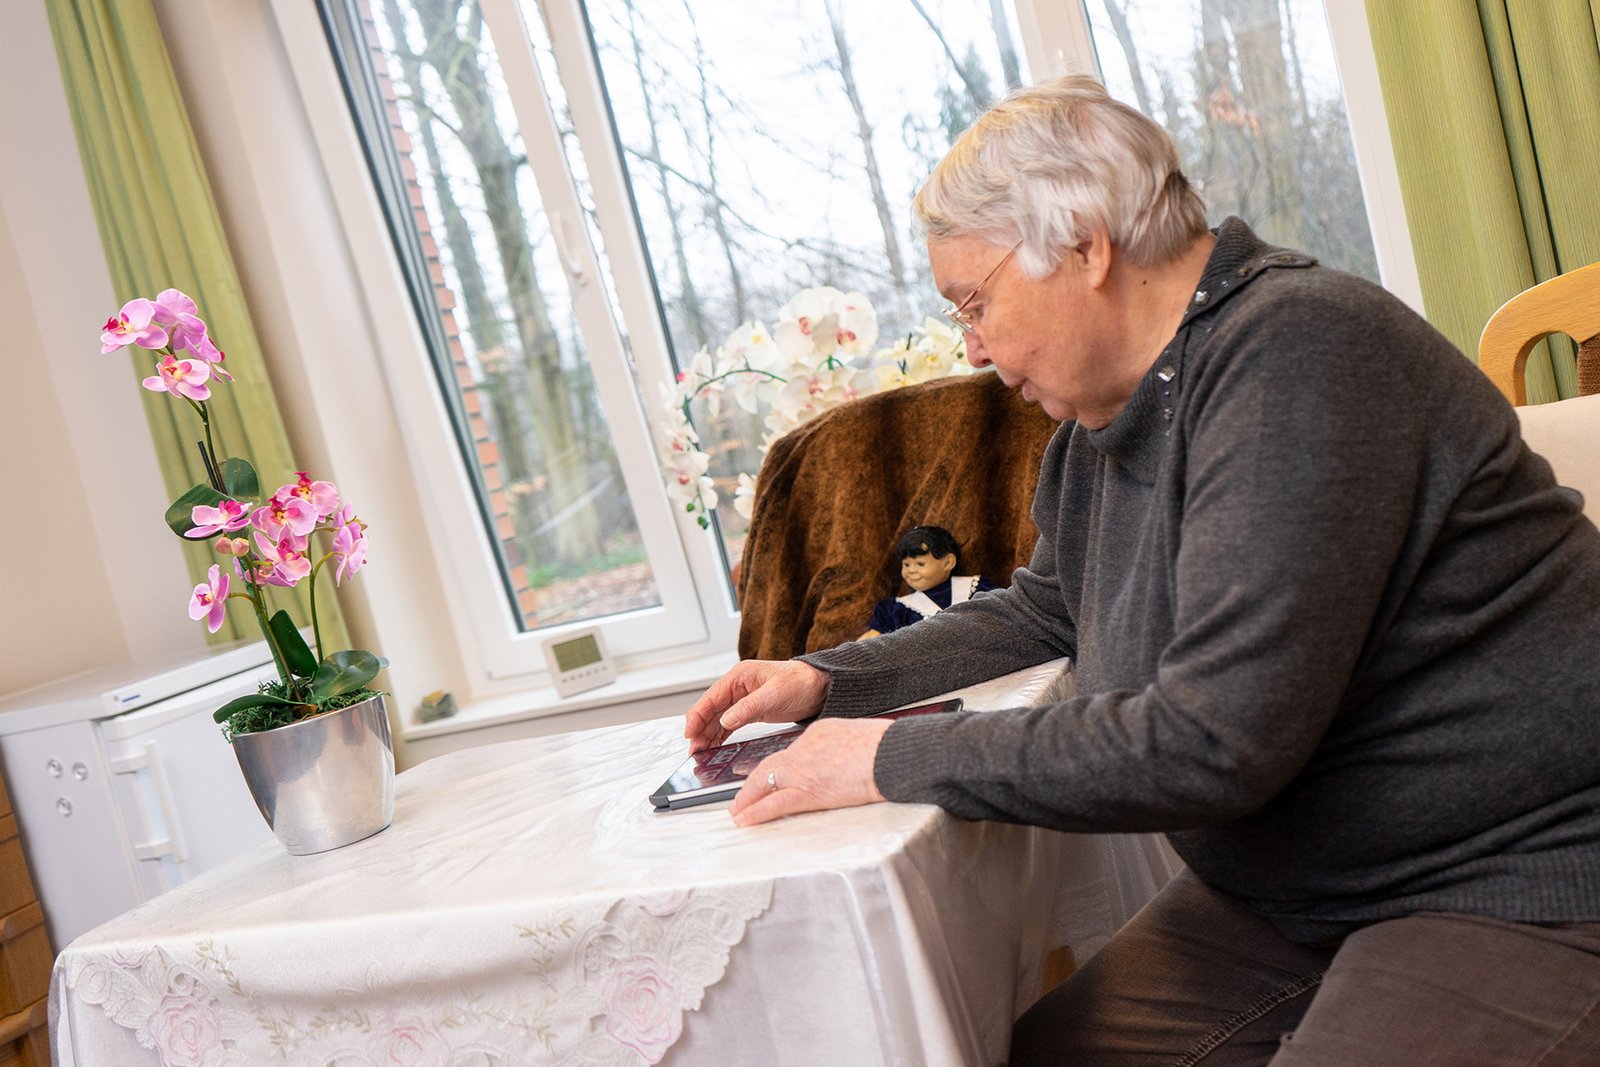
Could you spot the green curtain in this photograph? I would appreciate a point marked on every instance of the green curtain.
(1494, 110)
(160, 229)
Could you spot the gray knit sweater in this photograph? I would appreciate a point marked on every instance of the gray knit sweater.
(1335, 627)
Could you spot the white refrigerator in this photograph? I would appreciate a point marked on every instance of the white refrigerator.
(122, 784)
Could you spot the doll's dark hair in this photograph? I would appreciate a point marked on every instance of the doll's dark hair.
(932, 540)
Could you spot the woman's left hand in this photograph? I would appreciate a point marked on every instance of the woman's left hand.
(828, 766)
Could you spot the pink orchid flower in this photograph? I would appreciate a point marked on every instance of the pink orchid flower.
(288, 564)
(230, 515)
(210, 599)
(324, 496)
(133, 326)
(178, 314)
(213, 357)
(349, 545)
(286, 513)
(180, 377)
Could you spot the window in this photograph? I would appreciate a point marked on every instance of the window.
(765, 155)
(526, 361)
(579, 196)
(1249, 91)
(490, 291)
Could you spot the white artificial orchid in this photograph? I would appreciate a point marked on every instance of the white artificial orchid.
(752, 346)
(818, 355)
(892, 376)
(823, 323)
(744, 497)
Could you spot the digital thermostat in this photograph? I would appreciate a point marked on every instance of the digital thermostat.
(578, 661)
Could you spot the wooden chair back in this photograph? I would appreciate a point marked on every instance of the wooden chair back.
(1568, 304)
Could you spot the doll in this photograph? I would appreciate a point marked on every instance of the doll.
(929, 556)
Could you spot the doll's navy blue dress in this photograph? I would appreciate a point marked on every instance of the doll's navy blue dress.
(892, 613)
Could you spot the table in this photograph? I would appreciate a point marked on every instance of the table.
(527, 906)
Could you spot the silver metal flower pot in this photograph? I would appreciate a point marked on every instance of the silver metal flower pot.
(323, 782)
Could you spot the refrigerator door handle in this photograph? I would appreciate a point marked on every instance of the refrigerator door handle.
(149, 758)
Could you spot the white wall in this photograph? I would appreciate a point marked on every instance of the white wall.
(89, 574)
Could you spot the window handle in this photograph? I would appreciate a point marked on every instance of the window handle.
(566, 249)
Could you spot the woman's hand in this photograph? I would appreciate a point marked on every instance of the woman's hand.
(754, 690)
(828, 766)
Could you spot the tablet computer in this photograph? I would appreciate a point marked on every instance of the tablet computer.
(715, 774)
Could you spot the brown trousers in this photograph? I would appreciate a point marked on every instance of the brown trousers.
(1197, 978)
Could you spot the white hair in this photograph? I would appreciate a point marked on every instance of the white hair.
(1053, 162)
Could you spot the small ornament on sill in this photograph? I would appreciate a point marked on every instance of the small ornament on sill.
(437, 705)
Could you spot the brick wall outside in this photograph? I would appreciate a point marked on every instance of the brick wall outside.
(488, 450)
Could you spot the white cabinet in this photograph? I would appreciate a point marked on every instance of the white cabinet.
(123, 785)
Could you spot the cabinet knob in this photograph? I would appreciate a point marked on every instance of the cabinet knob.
(80, 771)
(54, 767)
(63, 807)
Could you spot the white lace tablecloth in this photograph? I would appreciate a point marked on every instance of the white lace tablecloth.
(528, 907)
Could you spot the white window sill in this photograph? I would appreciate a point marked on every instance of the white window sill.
(636, 685)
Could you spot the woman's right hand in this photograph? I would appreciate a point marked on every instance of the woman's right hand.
(754, 690)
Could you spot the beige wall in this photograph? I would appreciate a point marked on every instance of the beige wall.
(89, 575)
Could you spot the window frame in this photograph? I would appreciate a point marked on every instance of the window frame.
(487, 631)
(698, 608)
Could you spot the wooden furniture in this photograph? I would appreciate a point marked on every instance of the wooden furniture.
(25, 954)
(1568, 304)
(1565, 432)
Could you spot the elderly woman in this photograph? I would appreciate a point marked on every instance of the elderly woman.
(1334, 630)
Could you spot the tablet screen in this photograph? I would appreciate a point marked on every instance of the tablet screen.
(726, 764)
(716, 773)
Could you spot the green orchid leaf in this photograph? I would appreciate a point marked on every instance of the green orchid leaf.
(180, 510)
(254, 700)
(295, 653)
(345, 672)
(239, 479)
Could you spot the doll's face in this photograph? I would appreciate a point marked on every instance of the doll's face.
(927, 570)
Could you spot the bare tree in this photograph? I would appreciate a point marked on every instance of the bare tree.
(691, 298)
(454, 48)
(713, 194)
(1010, 69)
(1118, 17)
(968, 73)
(501, 385)
(891, 240)
(1246, 91)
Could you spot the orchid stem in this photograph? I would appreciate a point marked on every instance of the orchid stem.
(259, 603)
(316, 627)
(272, 640)
(208, 451)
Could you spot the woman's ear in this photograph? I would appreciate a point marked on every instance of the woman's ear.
(1095, 254)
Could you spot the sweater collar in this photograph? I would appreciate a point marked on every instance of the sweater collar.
(1137, 437)
(1237, 259)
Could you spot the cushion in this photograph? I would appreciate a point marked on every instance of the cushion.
(1567, 434)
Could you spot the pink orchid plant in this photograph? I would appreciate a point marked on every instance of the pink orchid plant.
(279, 539)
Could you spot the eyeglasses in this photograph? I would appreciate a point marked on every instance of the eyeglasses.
(958, 313)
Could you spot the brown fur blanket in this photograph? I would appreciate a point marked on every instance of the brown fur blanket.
(834, 494)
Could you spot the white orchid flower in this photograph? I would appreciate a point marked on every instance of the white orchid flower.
(858, 324)
(892, 376)
(744, 497)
